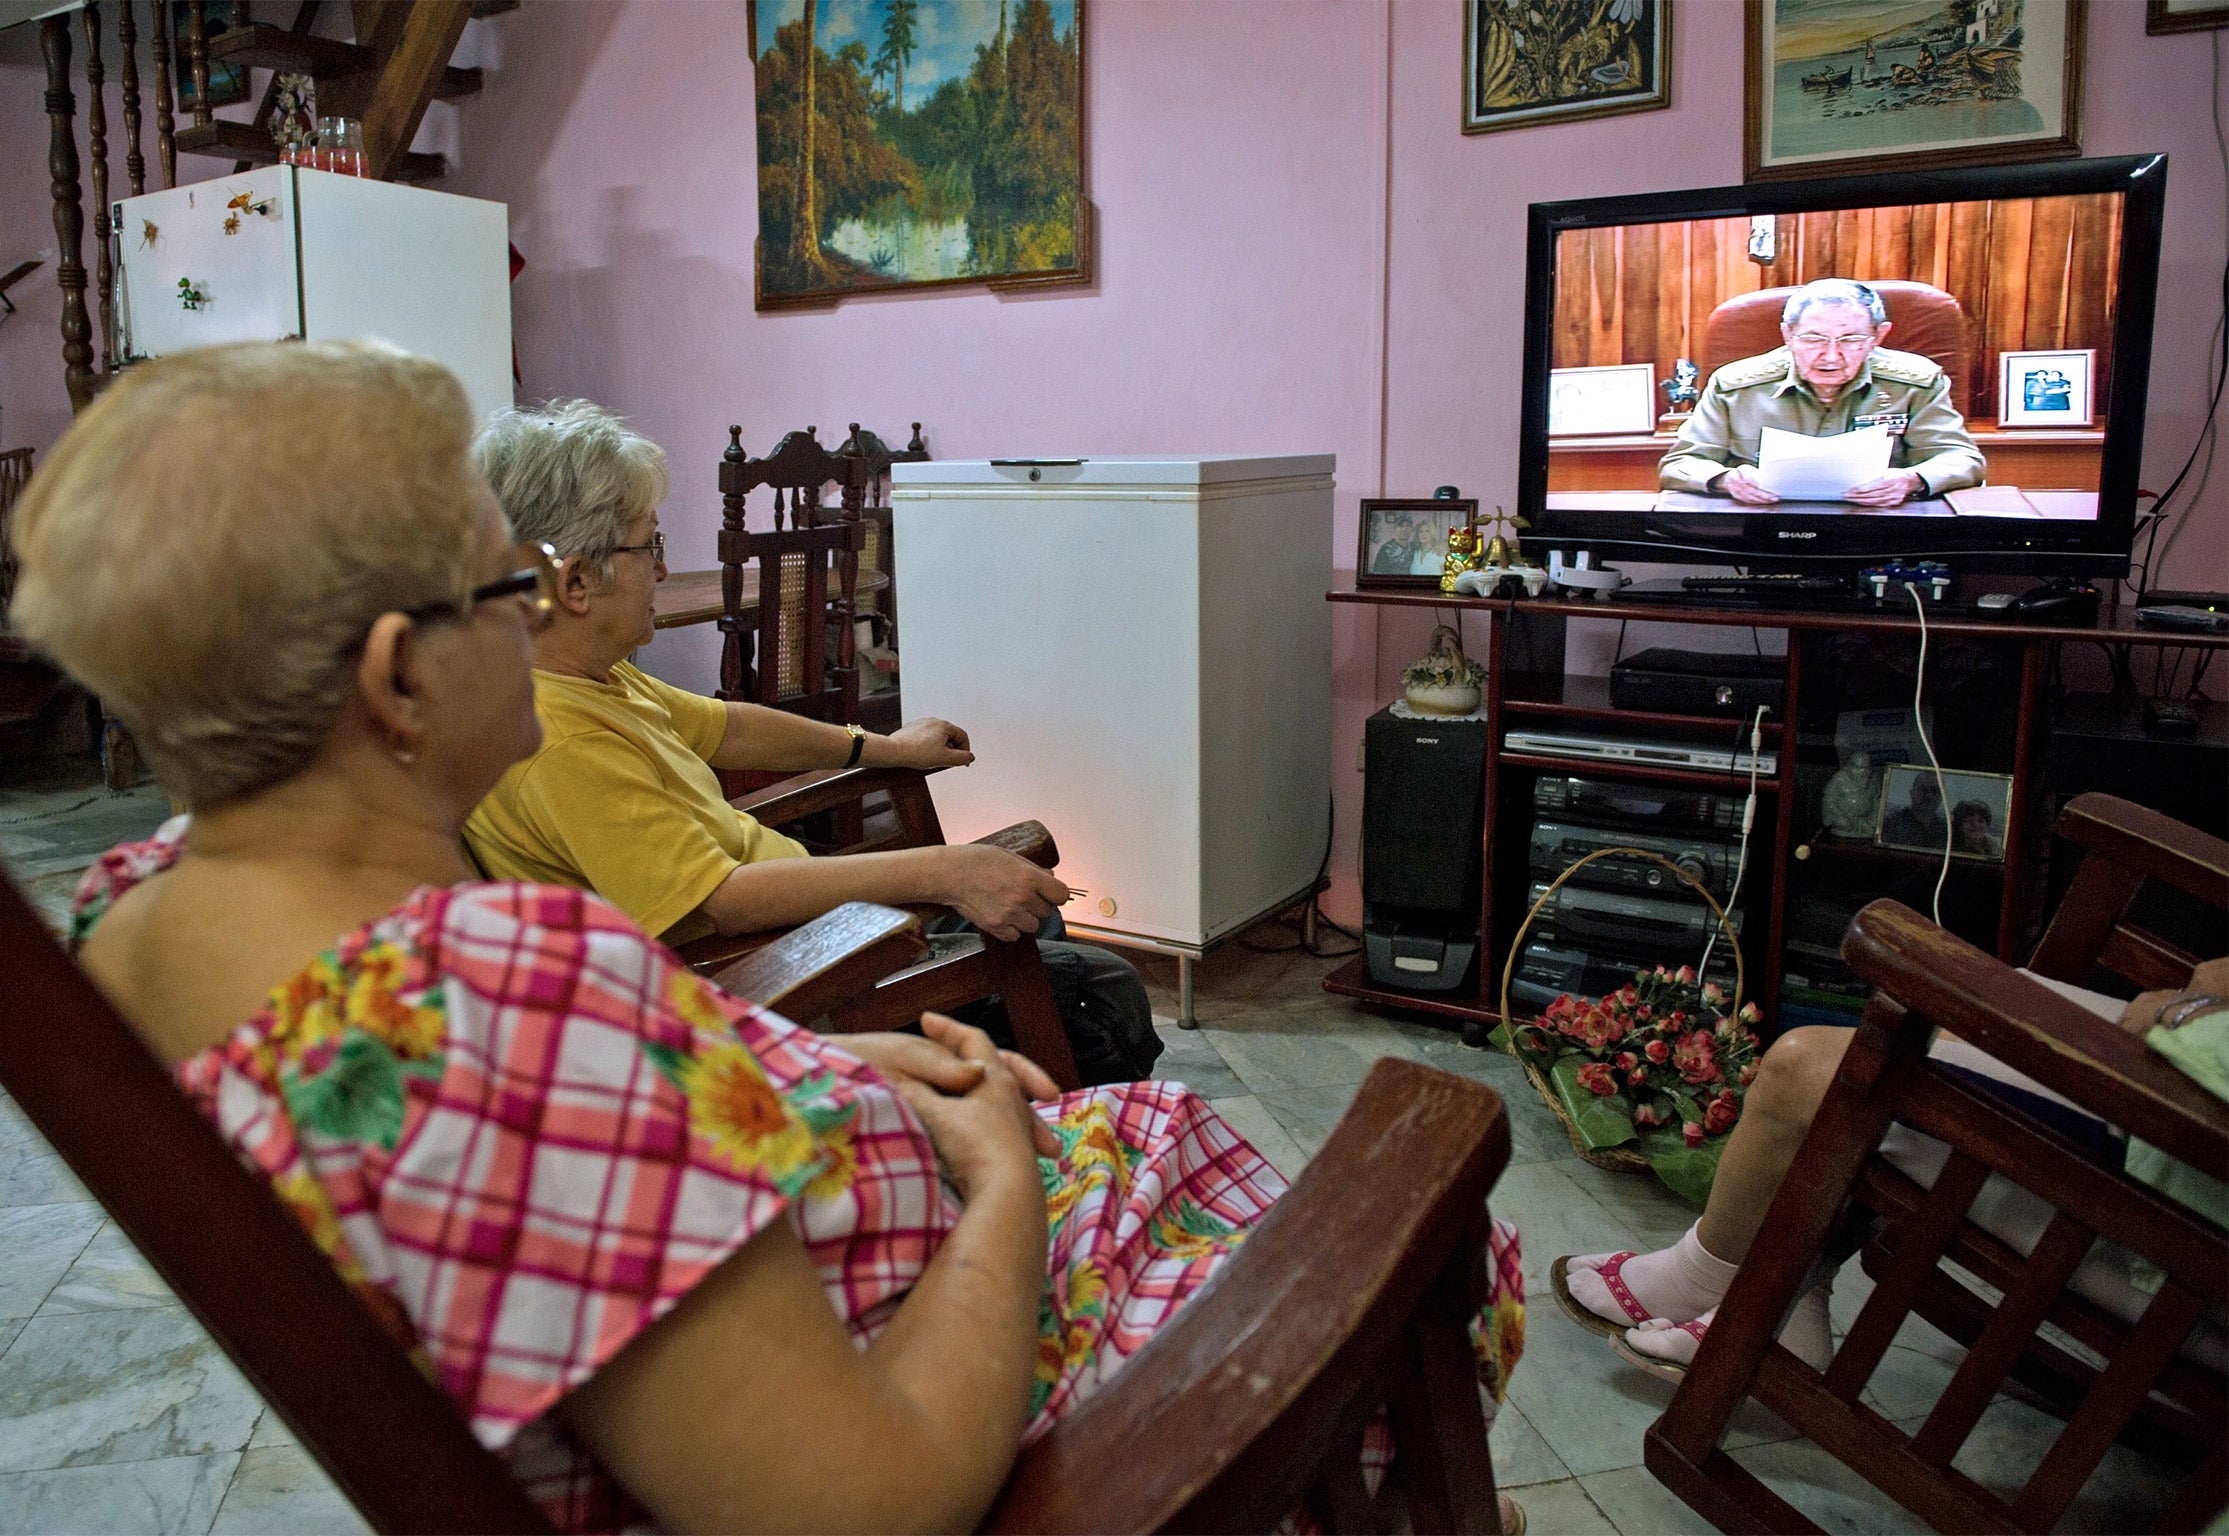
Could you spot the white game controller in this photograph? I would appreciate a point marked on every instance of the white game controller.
(1487, 582)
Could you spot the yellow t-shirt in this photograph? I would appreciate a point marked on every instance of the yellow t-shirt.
(622, 800)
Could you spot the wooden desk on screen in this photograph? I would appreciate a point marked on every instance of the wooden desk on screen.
(2063, 458)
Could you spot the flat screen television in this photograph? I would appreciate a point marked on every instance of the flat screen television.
(1712, 376)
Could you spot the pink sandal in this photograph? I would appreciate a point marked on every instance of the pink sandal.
(1656, 1365)
(1586, 1317)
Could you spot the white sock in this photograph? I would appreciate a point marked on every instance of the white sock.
(1808, 1333)
(1678, 1283)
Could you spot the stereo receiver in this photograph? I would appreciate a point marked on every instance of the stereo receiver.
(1560, 797)
(1557, 845)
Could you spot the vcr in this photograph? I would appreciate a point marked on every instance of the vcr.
(1622, 922)
(1547, 971)
(1571, 797)
(1557, 845)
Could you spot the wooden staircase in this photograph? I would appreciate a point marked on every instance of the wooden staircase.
(396, 66)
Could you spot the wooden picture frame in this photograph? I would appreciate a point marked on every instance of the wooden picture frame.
(1504, 60)
(2047, 388)
(2162, 17)
(876, 248)
(1818, 103)
(1417, 526)
(1900, 825)
(1603, 400)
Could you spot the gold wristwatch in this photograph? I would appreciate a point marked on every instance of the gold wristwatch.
(858, 746)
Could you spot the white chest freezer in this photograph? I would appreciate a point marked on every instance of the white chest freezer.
(281, 252)
(1141, 652)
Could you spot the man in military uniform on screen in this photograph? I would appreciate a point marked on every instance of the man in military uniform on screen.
(1833, 376)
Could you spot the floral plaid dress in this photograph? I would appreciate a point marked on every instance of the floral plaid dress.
(521, 1131)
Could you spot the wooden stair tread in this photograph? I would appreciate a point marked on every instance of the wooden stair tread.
(264, 46)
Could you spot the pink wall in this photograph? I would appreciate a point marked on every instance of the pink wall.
(1285, 264)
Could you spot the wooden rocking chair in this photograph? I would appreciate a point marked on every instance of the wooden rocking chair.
(1012, 969)
(1924, 978)
(1369, 1267)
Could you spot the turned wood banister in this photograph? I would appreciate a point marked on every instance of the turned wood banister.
(69, 210)
(166, 143)
(2034, 1030)
(197, 61)
(127, 43)
(96, 153)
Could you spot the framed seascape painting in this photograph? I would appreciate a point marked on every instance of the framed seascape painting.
(1539, 61)
(917, 144)
(1836, 87)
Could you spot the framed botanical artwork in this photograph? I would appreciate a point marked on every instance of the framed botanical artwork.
(1554, 61)
(1835, 88)
(1601, 400)
(2045, 389)
(1913, 802)
(944, 145)
(1539, 61)
(2163, 16)
(1404, 543)
(228, 83)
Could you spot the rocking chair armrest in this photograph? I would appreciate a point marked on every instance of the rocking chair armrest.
(825, 789)
(839, 955)
(2156, 846)
(1941, 979)
(1026, 839)
(1276, 1366)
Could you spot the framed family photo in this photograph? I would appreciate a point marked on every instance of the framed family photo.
(2045, 389)
(1404, 543)
(1913, 803)
(1837, 88)
(1541, 61)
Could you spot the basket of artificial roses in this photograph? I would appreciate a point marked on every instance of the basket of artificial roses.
(1650, 1076)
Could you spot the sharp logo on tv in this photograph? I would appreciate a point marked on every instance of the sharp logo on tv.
(1790, 533)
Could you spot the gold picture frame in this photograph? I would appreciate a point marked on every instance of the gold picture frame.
(1824, 96)
(1579, 59)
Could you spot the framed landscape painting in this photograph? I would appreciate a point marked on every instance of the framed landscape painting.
(1538, 61)
(916, 144)
(1835, 87)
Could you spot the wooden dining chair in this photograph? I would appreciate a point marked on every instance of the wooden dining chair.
(807, 579)
(1368, 1269)
(1010, 969)
(2149, 1387)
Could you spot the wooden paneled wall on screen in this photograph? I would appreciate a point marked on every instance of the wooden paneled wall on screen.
(2030, 272)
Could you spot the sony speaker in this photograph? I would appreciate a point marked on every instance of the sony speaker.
(1423, 787)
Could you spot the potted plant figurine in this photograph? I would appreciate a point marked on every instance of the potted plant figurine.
(1443, 681)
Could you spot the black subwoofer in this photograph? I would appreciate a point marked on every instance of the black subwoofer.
(1422, 799)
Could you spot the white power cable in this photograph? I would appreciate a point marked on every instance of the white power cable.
(1942, 792)
(1748, 820)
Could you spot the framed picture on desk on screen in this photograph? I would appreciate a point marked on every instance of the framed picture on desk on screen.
(1601, 401)
(2045, 389)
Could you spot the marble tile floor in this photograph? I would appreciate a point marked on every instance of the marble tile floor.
(118, 1414)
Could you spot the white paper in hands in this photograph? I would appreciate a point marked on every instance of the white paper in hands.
(1795, 467)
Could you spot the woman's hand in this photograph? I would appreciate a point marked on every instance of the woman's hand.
(924, 743)
(937, 1066)
(2210, 978)
(988, 1131)
(1000, 892)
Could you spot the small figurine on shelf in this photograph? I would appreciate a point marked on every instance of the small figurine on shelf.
(1443, 681)
(189, 296)
(1851, 801)
(1501, 550)
(1462, 555)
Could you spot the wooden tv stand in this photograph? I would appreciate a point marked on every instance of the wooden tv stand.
(1527, 686)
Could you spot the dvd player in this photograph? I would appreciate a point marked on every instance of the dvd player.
(1621, 803)
(1556, 846)
(1654, 925)
(1640, 753)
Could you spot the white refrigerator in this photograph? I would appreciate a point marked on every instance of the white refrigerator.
(282, 252)
(1140, 650)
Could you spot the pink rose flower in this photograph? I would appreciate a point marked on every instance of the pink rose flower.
(1596, 1079)
(1720, 1117)
(1685, 974)
(1648, 1115)
(1692, 1134)
(1696, 1057)
(1627, 1061)
(1748, 1075)
(1657, 1051)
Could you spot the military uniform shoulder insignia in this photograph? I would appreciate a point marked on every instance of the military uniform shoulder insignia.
(1905, 367)
(1744, 373)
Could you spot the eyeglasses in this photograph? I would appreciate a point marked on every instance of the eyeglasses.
(1818, 343)
(536, 581)
(655, 549)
